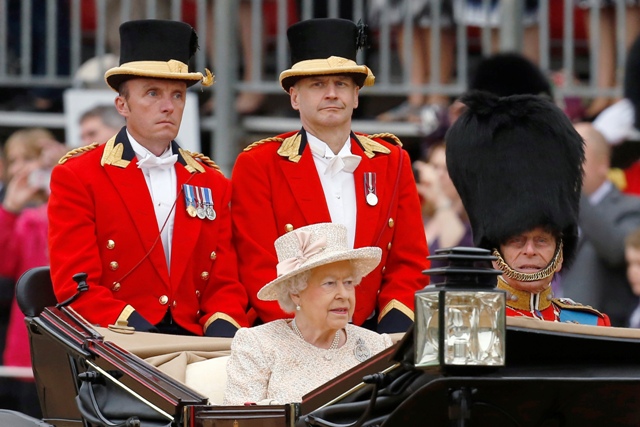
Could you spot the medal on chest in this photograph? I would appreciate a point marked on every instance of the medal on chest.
(199, 201)
(370, 188)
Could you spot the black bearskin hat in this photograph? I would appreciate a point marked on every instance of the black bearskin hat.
(517, 164)
(506, 74)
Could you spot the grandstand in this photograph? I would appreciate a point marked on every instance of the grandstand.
(46, 44)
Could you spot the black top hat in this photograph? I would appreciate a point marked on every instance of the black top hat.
(506, 74)
(326, 46)
(517, 164)
(158, 49)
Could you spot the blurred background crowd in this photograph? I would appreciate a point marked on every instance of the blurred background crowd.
(583, 54)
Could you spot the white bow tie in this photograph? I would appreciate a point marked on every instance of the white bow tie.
(151, 162)
(346, 162)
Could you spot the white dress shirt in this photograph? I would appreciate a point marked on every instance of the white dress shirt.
(161, 182)
(336, 176)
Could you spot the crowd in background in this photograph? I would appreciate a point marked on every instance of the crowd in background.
(606, 271)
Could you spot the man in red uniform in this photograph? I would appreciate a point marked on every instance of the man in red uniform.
(517, 164)
(327, 173)
(147, 221)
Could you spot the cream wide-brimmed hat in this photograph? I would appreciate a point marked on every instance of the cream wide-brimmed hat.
(313, 246)
(156, 48)
(326, 46)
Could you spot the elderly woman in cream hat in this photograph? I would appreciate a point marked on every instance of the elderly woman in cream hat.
(283, 360)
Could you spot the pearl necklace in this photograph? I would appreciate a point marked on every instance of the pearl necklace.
(334, 344)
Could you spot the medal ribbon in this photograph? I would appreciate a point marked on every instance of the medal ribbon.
(208, 197)
(188, 194)
(199, 197)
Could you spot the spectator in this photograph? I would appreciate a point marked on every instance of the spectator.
(41, 98)
(247, 102)
(517, 164)
(476, 13)
(125, 212)
(418, 104)
(30, 155)
(607, 46)
(326, 173)
(632, 256)
(445, 221)
(99, 124)
(620, 122)
(606, 218)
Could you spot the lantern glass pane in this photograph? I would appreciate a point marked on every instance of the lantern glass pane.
(426, 329)
(474, 328)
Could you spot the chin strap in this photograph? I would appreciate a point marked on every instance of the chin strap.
(549, 270)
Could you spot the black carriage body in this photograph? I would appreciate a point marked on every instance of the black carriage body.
(564, 375)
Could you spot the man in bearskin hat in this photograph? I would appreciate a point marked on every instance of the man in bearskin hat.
(517, 164)
(146, 220)
(325, 172)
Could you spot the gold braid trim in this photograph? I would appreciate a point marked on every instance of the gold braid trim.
(221, 316)
(262, 141)
(79, 150)
(569, 304)
(397, 305)
(618, 178)
(530, 277)
(521, 300)
(126, 312)
(204, 159)
(388, 136)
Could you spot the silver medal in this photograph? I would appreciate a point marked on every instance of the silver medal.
(370, 188)
(200, 211)
(211, 213)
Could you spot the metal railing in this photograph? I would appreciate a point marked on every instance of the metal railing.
(45, 42)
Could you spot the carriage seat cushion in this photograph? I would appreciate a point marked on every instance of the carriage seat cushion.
(209, 378)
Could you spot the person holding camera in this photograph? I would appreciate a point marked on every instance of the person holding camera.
(29, 154)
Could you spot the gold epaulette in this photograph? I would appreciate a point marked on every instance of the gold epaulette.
(193, 165)
(370, 146)
(619, 179)
(262, 141)
(569, 304)
(389, 137)
(76, 151)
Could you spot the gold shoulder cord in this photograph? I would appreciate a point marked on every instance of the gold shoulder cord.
(186, 154)
(76, 151)
(388, 136)
(262, 141)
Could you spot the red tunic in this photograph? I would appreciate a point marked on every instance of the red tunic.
(632, 177)
(544, 307)
(274, 193)
(102, 222)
